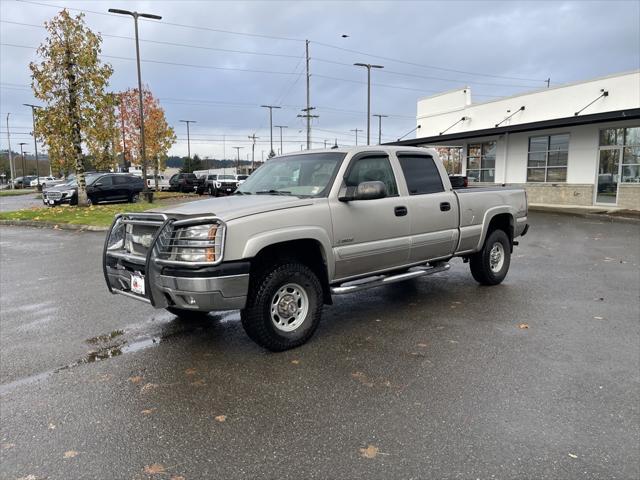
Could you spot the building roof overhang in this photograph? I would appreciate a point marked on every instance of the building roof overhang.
(627, 114)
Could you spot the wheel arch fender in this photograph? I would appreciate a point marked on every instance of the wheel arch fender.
(501, 214)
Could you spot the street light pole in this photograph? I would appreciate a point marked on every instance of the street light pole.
(136, 15)
(22, 159)
(35, 143)
(356, 130)
(368, 66)
(238, 161)
(281, 127)
(380, 117)
(11, 169)
(271, 107)
(188, 141)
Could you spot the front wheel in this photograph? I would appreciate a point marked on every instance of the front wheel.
(283, 307)
(134, 198)
(490, 265)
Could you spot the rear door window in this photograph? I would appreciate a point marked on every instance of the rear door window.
(421, 174)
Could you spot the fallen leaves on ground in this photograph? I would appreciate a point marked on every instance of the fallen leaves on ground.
(523, 326)
(190, 371)
(198, 383)
(295, 362)
(28, 477)
(421, 345)
(221, 418)
(370, 452)
(177, 477)
(70, 454)
(148, 387)
(572, 455)
(7, 446)
(148, 411)
(135, 379)
(598, 318)
(51, 426)
(154, 469)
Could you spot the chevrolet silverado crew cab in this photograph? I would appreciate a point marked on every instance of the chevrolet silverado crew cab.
(305, 227)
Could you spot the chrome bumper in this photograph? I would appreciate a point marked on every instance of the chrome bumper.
(220, 286)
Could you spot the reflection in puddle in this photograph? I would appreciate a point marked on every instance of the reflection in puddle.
(113, 344)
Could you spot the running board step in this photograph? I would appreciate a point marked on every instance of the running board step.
(380, 280)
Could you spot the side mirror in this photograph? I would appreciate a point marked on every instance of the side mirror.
(364, 191)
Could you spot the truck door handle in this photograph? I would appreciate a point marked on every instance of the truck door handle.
(445, 206)
(400, 211)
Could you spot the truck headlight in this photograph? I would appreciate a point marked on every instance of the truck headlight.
(116, 236)
(218, 184)
(198, 243)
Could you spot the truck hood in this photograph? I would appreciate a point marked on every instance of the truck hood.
(235, 206)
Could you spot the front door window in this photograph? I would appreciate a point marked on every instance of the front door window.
(608, 175)
(619, 162)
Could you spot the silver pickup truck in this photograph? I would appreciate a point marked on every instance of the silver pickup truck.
(305, 227)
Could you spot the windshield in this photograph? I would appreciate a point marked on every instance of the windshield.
(226, 177)
(305, 175)
(89, 179)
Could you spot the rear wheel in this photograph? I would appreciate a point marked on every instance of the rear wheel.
(490, 265)
(134, 198)
(283, 307)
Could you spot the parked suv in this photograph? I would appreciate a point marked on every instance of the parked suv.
(217, 184)
(101, 187)
(183, 182)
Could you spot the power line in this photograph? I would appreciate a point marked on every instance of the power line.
(434, 67)
(160, 42)
(327, 45)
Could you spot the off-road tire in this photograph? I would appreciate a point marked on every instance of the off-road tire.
(188, 315)
(480, 263)
(256, 316)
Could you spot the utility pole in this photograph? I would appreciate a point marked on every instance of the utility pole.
(11, 169)
(188, 141)
(143, 153)
(356, 130)
(308, 116)
(238, 161)
(253, 150)
(368, 66)
(380, 117)
(124, 143)
(22, 158)
(35, 143)
(271, 107)
(281, 127)
(325, 143)
(308, 109)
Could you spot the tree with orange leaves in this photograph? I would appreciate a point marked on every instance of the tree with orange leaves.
(159, 136)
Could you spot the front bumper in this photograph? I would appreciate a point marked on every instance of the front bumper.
(173, 284)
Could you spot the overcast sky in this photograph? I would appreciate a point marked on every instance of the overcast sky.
(505, 48)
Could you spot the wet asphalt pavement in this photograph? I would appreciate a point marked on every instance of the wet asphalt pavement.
(434, 378)
(19, 202)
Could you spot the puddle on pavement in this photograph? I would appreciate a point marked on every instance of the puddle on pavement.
(151, 332)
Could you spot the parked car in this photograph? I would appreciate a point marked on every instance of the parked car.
(183, 182)
(163, 183)
(44, 181)
(23, 182)
(101, 187)
(459, 181)
(217, 184)
(346, 220)
(241, 178)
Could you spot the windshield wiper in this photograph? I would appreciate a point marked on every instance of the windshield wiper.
(273, 192)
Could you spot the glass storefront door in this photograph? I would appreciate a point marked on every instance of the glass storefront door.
(608, 175)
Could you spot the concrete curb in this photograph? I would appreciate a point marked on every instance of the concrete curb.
(56, 226)
(604, 216)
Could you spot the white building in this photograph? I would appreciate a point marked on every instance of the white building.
(576, 144)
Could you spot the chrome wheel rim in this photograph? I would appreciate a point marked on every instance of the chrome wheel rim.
(496, 257)
(289, 307)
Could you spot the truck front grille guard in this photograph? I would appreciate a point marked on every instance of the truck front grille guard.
(160, 252)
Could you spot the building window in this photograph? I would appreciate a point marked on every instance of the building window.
(627, 139)
(547, 161)
(481, 162)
